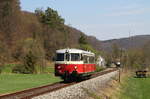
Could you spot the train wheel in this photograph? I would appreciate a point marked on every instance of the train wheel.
(74, 76)
(66, 77)
(88, 77)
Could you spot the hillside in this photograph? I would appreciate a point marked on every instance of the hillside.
(41, 32)
(126, 43)
(45, 31)
(93, 41)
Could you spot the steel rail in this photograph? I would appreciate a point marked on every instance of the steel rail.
(29, 93)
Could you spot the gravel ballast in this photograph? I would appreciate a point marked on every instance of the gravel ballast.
(81, 90)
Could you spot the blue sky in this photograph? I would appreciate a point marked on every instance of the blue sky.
(105, 19)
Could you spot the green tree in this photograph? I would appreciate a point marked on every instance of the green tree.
(33, 49)
(50, 17)
(82, 39)
(55, 34)
(30, 61)
(84, 45)
(32, 57)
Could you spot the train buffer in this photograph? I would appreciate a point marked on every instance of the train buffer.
(141, 73)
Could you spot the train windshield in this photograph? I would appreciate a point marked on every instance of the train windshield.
(68, 57)
(60, 57)
(75, 57)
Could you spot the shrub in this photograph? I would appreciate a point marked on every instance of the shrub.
(30, 61)
(20, 69)
(28, 66)
(98, 68)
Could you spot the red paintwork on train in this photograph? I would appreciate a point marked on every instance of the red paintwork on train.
(80, 68)
(72, 63)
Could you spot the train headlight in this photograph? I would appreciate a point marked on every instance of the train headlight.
(75, 67)
(59, 67)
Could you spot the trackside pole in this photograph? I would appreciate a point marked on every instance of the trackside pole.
(119, 75)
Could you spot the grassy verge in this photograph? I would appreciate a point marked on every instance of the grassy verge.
(112, 89)
(16, 82)
(135, 88)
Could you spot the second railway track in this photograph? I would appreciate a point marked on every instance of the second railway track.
(29, 93)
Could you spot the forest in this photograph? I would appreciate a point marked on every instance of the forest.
(31, 39)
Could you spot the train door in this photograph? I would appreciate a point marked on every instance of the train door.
(85, 65)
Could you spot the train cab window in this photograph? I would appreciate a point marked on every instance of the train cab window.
(60, 57)
(75, 57)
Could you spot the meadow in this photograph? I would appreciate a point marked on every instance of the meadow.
(135, 88)
(10, 82)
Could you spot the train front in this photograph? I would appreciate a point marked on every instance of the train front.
(68, 63)
(60, 64)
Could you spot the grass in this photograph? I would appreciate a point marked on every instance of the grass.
(7, 69)
(10, 82)
(135, 88)
(16, 82)
(49, 69)
(129, 87)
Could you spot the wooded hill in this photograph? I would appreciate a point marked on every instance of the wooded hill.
(32, 38)
(133, 42)
(43, 30)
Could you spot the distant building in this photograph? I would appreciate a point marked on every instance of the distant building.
(101, 61)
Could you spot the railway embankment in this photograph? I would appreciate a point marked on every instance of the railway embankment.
(82, 89)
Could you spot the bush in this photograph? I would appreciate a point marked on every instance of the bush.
(21, 69)
(28, 66)
(98, 68)
(30, 61)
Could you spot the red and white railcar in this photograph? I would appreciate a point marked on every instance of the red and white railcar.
(72, 63)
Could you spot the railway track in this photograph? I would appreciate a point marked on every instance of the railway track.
(29, 93)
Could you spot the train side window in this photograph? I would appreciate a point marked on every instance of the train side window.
(75, 57)
(85, 59)
(88, 59)
(91, 60)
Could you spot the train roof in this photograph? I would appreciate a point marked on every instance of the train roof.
(74, 51)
